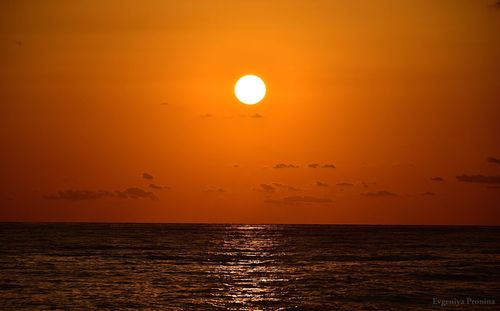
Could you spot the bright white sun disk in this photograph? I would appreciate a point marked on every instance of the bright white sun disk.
(250, 89)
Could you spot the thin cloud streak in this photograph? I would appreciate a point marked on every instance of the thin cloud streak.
(300, 200)
(479, 179)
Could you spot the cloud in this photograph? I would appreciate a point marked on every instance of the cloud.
(495, 5)
(219, 190)
(321, 184)
(164, 104)
(283, 165)
(158, 187)
(300, 200)
(345, 184)
(428, 193)
(266, 188)
(79, 195)
(380, 193)
(286, 187)
(316, 165)
(494, 160)
(479, 179)
(136, 193)
(253, 116)
(368, 184)
(437, 178)
(147, 176)
(206, 115)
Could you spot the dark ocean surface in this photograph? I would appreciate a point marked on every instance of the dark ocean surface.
(248, 267)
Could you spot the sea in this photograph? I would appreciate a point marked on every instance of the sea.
(88, 266)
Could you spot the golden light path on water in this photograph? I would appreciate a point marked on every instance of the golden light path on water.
(255, 275)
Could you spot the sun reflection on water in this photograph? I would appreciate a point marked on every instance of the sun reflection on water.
(249, 263)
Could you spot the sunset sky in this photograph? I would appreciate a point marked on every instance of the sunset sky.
(377, 112)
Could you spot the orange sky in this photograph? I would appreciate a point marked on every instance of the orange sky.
(393, 93)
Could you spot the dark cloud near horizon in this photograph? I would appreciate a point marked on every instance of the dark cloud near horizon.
(147, 176)
(344, 184)
(79, 195)
(493, 160)
(368, 184)
(380, 193)
(286, 187)
(283, 165)
(316, 165)
(136, 193)
(206, 115)
(321, 184)
(428, 193)
(482, 179)
(158, 187)
(437, 178)
(256, 116)
(266, 188)
(300, 200)
(219, 190)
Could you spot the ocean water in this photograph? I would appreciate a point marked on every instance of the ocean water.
(248, 267)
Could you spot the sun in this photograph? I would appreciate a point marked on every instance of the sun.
(250, 89)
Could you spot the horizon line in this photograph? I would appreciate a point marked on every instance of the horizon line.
(248, 224)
